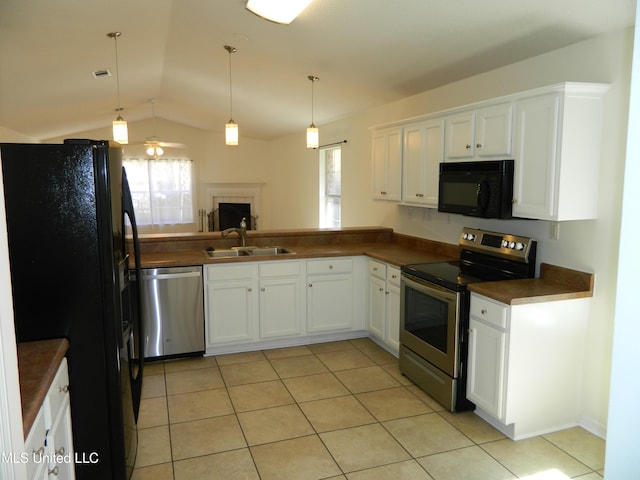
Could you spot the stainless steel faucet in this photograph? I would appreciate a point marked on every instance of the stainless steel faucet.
(242, 231)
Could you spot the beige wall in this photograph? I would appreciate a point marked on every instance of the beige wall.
(289, 173)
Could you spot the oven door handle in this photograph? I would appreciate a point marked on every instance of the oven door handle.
(429, 288)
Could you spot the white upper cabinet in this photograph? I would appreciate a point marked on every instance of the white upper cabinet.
(387, 164)
(480, 134)
(422, 154)
(557, 152)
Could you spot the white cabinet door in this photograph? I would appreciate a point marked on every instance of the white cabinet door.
(280, 307)
(329, 302)
(461, 136)
(494, 132)
(231, 311)
(486, 367)
(60, 442)
(481, 134)
(536, 172)
(393, 316)
(387, 164)
(422, 154)
(377, 307)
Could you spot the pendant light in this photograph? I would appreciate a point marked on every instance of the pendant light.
(231, 127)
(120, 131)
(313, 139)
(278, 11)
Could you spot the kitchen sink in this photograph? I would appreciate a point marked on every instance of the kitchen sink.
(246, 251)
(227, 252)
(270, 251)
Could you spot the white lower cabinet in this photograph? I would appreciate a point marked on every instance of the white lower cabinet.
(384, 303)
(231, 304)
(49, 445)
(330, 294)
(281, 301)
(524, 367)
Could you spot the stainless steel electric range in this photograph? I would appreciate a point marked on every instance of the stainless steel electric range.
(434, 309)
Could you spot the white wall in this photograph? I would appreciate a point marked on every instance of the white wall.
(586, 245)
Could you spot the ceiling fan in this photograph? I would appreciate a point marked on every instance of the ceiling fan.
(153, 145)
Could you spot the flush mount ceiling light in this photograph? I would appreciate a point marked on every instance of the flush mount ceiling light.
(120, 132)
(231, 127)
(278, 11)
(313, 139)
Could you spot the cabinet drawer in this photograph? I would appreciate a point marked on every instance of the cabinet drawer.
(393, 276)
(378, 269)
(228, 272)
(279, 269)
(34, 446)
(58, 392)
(491, 312)
(332, 265)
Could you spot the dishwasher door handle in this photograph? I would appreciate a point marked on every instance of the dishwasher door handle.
(168, 276)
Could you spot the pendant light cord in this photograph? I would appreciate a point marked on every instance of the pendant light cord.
(230, 50)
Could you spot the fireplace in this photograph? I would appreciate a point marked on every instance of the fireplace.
(231, 214)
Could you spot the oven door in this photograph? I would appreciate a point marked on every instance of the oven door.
(429, 316)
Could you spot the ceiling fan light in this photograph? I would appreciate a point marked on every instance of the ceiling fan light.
(278, 11)
(313, 137)
(120, 131)
(231, 133)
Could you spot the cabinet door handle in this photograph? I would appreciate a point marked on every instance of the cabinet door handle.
(38, 452)
(419, 195)
(249, 289)
(54, 471)
(381, 289)
(478, 145)
(64, 389)
(60, 451)
(467, 146)
(383, 193)
(310, 285)
(262, 289)
(394, 276)
(483, 311)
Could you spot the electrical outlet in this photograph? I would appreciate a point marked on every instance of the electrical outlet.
(554, 230)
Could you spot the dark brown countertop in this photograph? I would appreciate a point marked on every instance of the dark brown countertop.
(380, 243)
(555, 283)
(38, 363)
(391, 253)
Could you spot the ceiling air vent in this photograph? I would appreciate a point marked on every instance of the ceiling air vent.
(101, 73)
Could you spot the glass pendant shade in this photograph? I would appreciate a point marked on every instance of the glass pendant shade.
(313, 137)
(120, 131)
(231, 133)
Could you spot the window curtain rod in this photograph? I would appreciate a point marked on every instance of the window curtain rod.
(331, 144)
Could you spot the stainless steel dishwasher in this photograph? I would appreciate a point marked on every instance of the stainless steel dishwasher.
(173, 311)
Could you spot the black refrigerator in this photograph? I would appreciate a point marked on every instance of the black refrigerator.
(67, 208)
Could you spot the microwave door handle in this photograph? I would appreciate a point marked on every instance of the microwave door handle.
(483, 194)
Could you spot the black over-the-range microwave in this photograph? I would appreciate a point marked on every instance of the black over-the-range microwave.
(477, 189)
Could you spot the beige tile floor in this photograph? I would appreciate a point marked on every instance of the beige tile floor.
(338, 410)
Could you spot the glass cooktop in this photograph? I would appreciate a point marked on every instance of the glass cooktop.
(446, 274)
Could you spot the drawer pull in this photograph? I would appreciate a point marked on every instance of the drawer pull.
(330, 267)
(60, 451)
(64, 389)
(483, 311)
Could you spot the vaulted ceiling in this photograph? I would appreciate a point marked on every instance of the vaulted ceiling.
(365, 52)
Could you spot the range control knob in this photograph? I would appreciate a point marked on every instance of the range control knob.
(469, 236)
(520, 246)
(512, 244)
(505, 244)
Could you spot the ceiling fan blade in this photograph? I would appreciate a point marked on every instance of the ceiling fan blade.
(171, 145)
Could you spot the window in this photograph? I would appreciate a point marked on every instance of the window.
(161, 190)
(330, 187)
